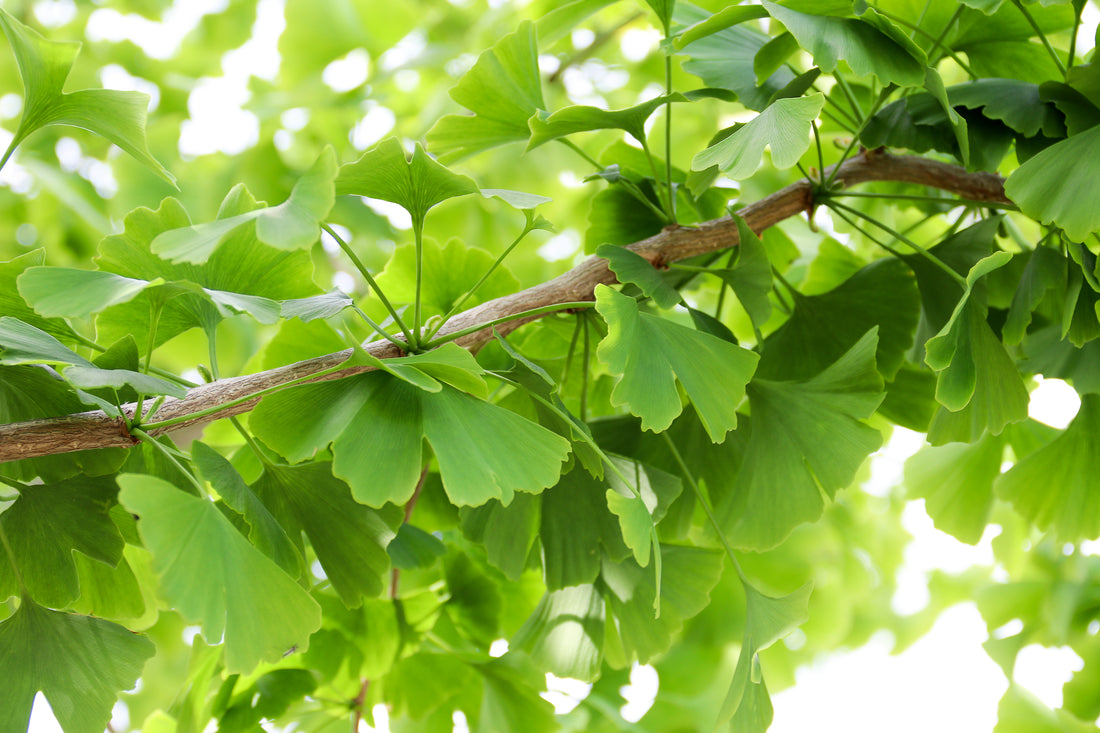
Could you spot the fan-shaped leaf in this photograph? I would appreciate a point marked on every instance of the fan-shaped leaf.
(647, 352)
(784, 126)
(44, 66)
(292, 225)
(1054, 487)
(1056, 185)
(502, 89)
(805, 437)
(211, 573)
(79, 663)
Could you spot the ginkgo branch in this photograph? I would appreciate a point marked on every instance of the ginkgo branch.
(236, 395)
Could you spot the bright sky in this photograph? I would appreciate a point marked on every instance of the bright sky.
(945, 682)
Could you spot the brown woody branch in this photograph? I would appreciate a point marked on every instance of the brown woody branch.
(90, 430)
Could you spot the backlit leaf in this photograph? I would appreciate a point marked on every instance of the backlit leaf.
(292, 225)
(502, 89)
(1053, 487)
(956, 483)
(44, 66)
(415, 184)
(767, 620)
(784, 126)
(216, 578)
(647, 352)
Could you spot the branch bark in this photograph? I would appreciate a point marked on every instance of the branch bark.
(226, 397)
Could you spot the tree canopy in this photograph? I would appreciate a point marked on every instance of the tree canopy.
(357, 354)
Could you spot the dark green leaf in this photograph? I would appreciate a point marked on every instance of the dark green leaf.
(349, 539)
(79, 663)
(47, 524)
(805, 436)
(869, 44)
(630, 267)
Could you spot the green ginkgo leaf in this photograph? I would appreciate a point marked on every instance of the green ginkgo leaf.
(415, 184)
(379, 423)
(1055, 186)
(784, 125)
(720, 21)
(973, 368)
(70, 293)
(1054, 487)
(631, 267)
(22, 343)
(216, 578)
(824, 326)
(44, 66)
(348, 538)
(47, 524)
(870, 44)
(569, 120)
(805, 437)
(325, 305)
(633, 633)
(79, 663)
(292, 225)
(265, 531)
(767, 620)
(449, 270)
(725, 59)
(956, 483)
(565, 633)
(576, 528)
(242, 274)
(13, 306)
(648, 354)
(503, 89)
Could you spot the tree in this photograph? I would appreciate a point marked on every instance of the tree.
(424, 420)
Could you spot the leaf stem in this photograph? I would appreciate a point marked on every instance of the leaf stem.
(953, 202)
(251, 442)
(820, 153)
(837, 206)
(418, 241)
(585, 365)
(668, 139)
(847, 92)
(505, 319)
(882, 97)
(403, 345)
(370, 281)
(705, 503)
(527, 229)
(171, 456)
(1042, 37)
